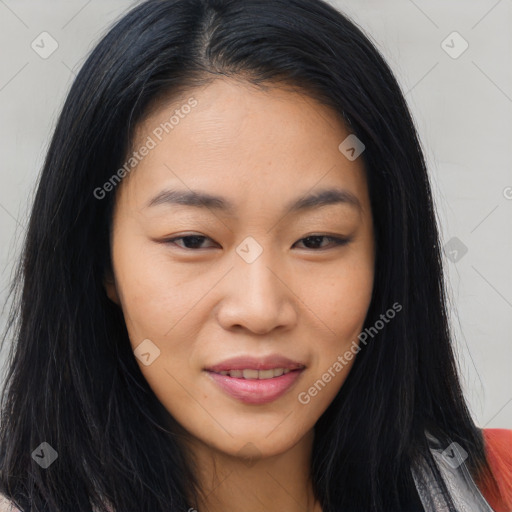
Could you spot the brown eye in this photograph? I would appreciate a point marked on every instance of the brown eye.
(313, 242)
(190, 241)
(316, 240)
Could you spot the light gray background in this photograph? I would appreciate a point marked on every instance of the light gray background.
(462, 107)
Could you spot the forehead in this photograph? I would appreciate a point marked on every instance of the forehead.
(235, 114)
(229, 135)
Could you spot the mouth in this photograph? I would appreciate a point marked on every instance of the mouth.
(251, 374)
(255, 381)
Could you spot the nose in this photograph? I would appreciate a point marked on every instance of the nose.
(258, 296)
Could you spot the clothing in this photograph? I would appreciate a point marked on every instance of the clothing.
(498, 443)
(467, 496)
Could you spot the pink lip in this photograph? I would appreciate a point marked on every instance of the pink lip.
(256, 391)
(255, 363)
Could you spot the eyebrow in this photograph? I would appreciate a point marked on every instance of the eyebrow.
(198, 199)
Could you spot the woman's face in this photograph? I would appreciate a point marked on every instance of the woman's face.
(258, 291)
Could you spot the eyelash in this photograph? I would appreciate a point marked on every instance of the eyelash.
(335, 240)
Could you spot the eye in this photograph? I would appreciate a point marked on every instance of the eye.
(315, 240)
(193, 242)
(190, 241)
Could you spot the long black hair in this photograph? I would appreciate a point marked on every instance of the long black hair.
(72, 378)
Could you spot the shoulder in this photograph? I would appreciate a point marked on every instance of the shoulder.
(498, 449)
(6, 505)
(499, 440)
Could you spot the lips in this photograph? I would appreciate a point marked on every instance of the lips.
(248, 373)
(255, 380)
(271, 362)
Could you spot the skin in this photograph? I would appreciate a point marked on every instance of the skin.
(305, 300)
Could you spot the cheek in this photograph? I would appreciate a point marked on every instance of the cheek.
(338, 298)
(335, 347)
(157, 303)
(339, 308)
(154, 294)
(350, 303)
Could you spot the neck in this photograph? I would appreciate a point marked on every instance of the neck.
(231, 483)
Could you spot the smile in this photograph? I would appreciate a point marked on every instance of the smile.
(254, 387)
(255, 374)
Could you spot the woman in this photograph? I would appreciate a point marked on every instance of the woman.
(231, 294)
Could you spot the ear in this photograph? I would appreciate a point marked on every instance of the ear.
(110, 287)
